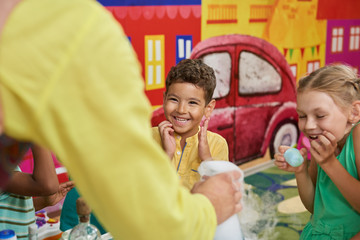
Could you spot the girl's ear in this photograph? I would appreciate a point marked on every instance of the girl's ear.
(355, 112)
(209, 108)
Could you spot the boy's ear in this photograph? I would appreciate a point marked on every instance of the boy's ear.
(209, 108)
(355, 112)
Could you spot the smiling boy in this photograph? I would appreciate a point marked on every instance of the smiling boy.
(187, 100)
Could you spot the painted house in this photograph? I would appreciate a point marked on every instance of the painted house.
(342, 32)
(294, 29)
(223, 17)
(162, 33)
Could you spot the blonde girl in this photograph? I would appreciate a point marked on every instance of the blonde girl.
(328, 105)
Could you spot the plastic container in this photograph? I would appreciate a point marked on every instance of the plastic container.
(8, 234)
(33, 232)
(230, 229)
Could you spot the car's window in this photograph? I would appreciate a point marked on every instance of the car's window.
(256, 75)
(221, 63)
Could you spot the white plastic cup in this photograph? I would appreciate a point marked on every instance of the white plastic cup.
(229, 229)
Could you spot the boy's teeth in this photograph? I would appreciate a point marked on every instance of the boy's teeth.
(181, 120)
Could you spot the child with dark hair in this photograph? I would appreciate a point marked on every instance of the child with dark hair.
(187, 100)
(17, 207)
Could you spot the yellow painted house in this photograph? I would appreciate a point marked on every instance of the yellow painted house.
(220, 17)
(290, 25)
(294, 30)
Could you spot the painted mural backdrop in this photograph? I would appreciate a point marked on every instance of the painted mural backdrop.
(258, 49)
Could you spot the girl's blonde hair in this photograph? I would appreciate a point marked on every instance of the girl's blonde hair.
(339, 81)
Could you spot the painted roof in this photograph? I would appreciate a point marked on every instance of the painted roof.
(335, 9)
(108, 3)
(150, 12)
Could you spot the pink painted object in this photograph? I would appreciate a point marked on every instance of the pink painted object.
(304, 143)
(27, 165)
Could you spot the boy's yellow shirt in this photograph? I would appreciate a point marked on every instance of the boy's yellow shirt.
(70, 81)
(186, 161)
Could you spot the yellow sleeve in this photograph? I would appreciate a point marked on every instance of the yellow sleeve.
(71, 82)
(156, 135)
(218, 147)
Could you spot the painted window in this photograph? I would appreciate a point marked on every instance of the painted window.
(222, 13)
(354, 38)
(154, 62)
(312, 66)
(337, 38)
(260, 13)
(256, 75)
(221, 63)
(183, 47)
(293, 68)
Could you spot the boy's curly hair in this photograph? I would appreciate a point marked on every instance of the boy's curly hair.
(193, 71)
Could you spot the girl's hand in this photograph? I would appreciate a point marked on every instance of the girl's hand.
(167, 138)
(281, 163)
(323, 150)
(64, 188)
(204, 149)
(53, 199)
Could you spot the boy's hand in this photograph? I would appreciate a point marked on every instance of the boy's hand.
(204, 149)
(281, 163)
(323, 150)
(167, 138)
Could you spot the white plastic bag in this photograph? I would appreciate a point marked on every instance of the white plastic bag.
(230, 229)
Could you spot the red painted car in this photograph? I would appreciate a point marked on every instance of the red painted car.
(255, 95)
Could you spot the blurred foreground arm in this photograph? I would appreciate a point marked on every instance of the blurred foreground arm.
(86, 95)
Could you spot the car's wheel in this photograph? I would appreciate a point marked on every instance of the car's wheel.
(286, 133)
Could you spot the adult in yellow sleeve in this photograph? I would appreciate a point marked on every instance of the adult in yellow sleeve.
(70, 82)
